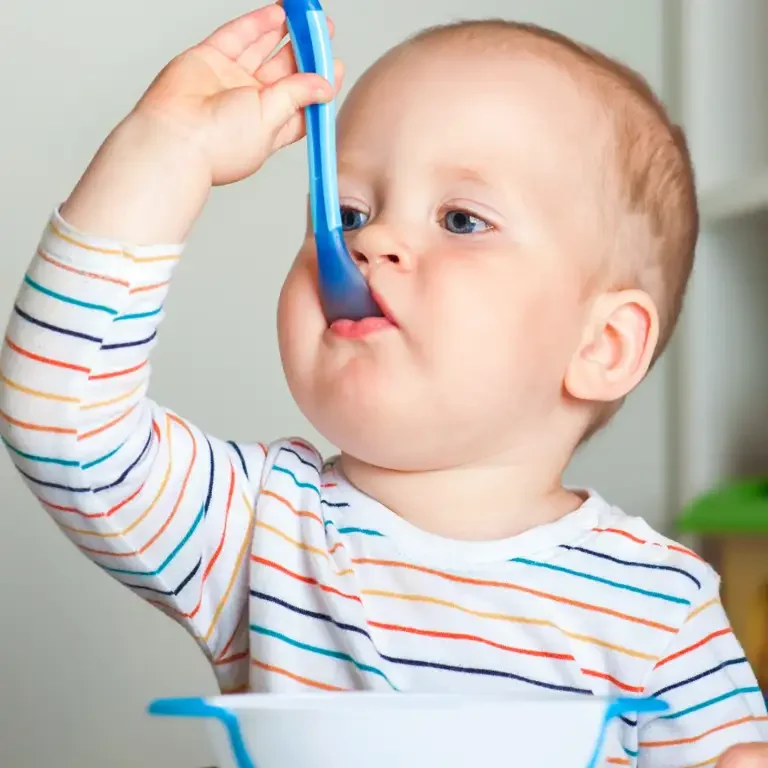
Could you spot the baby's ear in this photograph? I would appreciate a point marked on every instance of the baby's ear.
(616, 348)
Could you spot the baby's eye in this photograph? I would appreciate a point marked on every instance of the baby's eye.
(463, 223)
(352, 219)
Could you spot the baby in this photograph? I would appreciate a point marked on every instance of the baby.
(525, 214)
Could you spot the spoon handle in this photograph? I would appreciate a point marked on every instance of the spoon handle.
(312, 48)
(344, 291)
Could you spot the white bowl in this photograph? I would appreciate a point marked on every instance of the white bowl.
(404, 730)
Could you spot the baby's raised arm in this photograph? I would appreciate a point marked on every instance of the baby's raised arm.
(158, 504)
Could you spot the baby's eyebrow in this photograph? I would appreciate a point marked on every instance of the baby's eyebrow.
(353, 166)
(447, 173)
(461, 173)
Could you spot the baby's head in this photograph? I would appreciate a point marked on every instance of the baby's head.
(526, 214)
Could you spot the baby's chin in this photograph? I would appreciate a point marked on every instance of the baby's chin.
(371, 424)
(398, 430)
(397, 446)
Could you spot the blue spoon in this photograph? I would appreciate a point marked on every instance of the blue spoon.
(344, 292)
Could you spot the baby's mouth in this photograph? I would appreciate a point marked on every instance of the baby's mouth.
(384, 307)
(358, 329)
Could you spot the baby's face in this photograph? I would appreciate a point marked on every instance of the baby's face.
(467, 191)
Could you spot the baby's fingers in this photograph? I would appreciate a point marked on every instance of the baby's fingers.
(745, 756)
(236, 36)
(295, 128)
(258, 52)
(283, 100)
(282, 64)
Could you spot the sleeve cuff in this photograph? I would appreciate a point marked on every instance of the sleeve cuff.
(105, 255)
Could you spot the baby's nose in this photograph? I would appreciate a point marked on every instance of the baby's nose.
(364, 259)
(376, 246)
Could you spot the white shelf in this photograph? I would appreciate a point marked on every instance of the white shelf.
(722, 361)
(735, 199)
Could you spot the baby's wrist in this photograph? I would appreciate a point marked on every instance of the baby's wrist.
(147, 184)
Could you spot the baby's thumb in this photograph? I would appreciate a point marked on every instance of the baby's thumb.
(288, 96)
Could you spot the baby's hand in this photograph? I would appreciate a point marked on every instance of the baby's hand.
(212, 116)
(226, 97)
(745, 756)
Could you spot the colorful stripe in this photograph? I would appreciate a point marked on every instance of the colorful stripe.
(68, 299)
(80, 244)
(505, 585)
(39, 459)
(638, 540)
(601, 580)
(82, 272)
(711, 702)
(55, 328)
(37, 392)
(140, 315)
(701, 675)
(699, 644)
(411, 662)
(293, 676)
(632, 563)
(329, 652)
(46, 360)
(709, 732)
(37, 427)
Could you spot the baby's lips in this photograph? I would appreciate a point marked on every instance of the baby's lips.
(383, 306)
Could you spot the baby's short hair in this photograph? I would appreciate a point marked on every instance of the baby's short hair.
(656, 221)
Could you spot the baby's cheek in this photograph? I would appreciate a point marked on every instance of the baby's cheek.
(299, 291)
(300, 320)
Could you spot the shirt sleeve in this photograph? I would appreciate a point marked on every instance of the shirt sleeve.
(713, 696)
(159, 505)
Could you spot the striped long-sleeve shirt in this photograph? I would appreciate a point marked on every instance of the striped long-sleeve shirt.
(291, 579)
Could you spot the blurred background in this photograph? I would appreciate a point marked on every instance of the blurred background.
(79, 656)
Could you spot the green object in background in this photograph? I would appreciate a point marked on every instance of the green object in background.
(738, 508)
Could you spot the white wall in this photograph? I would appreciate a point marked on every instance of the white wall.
(80, 657)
